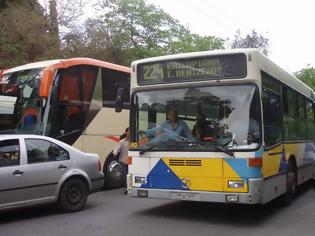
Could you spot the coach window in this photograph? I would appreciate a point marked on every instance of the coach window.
(111, 81)
(301, 118)
(72, 93)
(272, 117)
(289, 113)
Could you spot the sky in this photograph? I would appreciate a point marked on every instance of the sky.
(289, 24)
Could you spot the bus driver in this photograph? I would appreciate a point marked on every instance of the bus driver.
(173, 129)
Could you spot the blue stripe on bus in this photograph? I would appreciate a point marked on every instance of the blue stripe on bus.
(241, 168)
(260, 152)
(161, 176)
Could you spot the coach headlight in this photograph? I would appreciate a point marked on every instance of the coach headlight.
(236, 184)
(140, 180)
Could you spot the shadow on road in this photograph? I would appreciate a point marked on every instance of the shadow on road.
(250, 215)
(29, 213)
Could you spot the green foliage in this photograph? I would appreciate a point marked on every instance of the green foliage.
(122, 31)
(126, 30)
(195, 42)
(307, 75)
(253, 40)
(24, 36)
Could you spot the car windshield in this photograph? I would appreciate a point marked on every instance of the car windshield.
(20, 102)
(200, 118)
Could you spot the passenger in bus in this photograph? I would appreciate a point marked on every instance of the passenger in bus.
(172, 129)
(203, 130)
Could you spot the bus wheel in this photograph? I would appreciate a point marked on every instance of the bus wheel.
(291, 184)
(114, 173)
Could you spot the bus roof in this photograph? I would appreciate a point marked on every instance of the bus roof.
(283, 76)
(64, 63)
(265, 64)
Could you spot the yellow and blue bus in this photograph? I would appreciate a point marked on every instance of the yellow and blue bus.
(224, 126)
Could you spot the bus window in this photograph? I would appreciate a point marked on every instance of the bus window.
(310, 120)
(290, 112)
(272, 117)
(301, 119)
(111, 81)
(21, 106)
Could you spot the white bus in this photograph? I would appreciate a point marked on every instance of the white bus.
(219, 126)
(72, 100)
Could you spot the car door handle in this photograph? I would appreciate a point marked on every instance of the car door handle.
(62, 167)
(17, 172)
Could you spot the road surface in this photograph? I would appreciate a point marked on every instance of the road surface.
(112, 213)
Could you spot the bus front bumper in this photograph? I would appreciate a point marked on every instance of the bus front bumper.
(254, 196)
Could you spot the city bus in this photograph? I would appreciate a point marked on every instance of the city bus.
(72, 100)
(226, 126)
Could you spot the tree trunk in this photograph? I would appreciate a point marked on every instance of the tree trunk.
(54, 22)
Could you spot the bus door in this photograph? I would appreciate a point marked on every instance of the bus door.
(273, 157)
(71, 98)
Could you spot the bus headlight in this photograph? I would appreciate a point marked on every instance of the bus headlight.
(236, 184)
(140, 180)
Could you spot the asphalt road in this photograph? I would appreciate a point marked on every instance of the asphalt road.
(112, 213)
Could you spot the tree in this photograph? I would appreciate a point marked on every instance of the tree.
(63, 16)
(307, 75)
(195, 42)
(253, 40)
(126, 30)
(25, 35)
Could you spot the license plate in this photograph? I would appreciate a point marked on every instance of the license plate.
(185, 196)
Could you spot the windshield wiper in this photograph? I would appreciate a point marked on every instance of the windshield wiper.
(231, 140)
(222, 149)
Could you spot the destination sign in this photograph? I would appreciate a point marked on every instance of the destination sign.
(211, 67)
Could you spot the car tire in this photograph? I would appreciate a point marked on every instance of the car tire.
(291, 185)
(73, 195)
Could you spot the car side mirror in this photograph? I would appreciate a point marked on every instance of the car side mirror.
(120, 100)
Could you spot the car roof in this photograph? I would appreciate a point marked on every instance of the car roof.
(5, 136)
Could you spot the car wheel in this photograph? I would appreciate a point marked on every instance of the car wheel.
(73, 195)
(291, 184)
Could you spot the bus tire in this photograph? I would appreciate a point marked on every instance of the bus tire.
(73, 195)
(291, 185)
(114, 173)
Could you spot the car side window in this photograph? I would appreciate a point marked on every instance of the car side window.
(9, 152)
(39, 151)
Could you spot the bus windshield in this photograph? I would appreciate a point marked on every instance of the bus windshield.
(19, 101)
(198, 118)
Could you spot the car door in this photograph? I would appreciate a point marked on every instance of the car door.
(11, 172)
(46, 164)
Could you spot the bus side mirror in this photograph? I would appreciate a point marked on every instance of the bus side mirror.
(120, 100)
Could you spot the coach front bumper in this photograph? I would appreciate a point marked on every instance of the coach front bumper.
(254, 196)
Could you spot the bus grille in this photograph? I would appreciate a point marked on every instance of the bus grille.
(179, 162)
